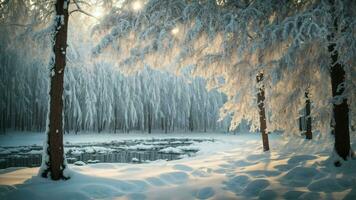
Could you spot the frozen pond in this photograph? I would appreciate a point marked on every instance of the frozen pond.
(126, 151)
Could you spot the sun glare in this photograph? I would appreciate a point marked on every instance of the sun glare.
(136, 6)
(98, 12)
(175, 31)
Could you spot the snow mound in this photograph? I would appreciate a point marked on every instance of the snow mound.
(171, 150)
(79, 163)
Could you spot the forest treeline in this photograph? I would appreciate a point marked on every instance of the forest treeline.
(100, 98)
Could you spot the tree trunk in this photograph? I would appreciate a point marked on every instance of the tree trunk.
(191, 124)
(262, 112)
(55, 126)
(4, 122)
(173, 124)
(205, 119)
(340, 110)
(166, 125)
(149, 119)
(308, 133)
(162, 123)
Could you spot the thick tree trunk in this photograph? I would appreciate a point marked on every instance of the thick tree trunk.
(340, 109)
(262, 112)
(308, 133)
(55, 126)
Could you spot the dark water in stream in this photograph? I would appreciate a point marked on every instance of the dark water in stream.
(127, 151)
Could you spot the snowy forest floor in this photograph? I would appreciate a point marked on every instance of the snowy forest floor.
(231, 167)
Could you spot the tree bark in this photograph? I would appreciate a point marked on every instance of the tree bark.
(308, 133)
(262, 112)
(340, 110)
(55, 126)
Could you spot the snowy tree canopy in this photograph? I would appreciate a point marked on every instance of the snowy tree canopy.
(230, 42)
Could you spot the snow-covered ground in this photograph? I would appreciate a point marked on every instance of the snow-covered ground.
(231, 167)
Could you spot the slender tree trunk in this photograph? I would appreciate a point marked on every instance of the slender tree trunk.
(166, 125)
(115, 120)
(76, 128)
(191, 123)
(162, 123)
(149, 119)
(55, 126)
(308, 133)
(205, 126)
(340, 110)
(301, 124)
(4, 121)
(205, 119)
(172, 125)
(262, 112)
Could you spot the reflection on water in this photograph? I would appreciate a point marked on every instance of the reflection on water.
(129, 151)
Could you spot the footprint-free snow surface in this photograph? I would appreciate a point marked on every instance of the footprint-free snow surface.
(228, 167)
